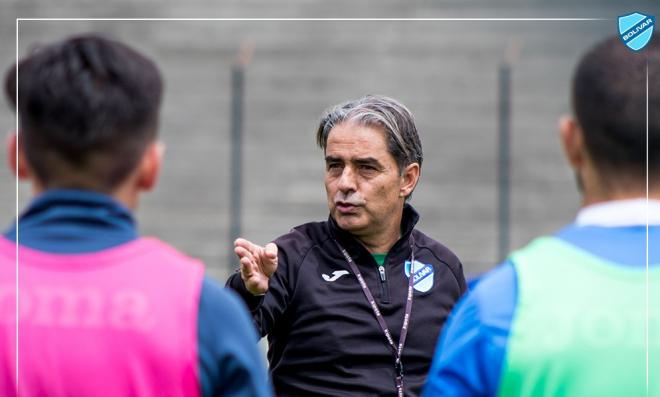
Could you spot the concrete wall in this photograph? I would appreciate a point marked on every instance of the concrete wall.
(444, 71)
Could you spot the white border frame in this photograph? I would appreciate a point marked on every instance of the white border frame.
(331, 20)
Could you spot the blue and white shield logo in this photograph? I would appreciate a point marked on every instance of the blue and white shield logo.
(422, 275)
(636, 29)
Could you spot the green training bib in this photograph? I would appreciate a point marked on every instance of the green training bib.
(579, 325)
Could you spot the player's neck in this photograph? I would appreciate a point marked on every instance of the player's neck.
(379, 245)
(619, 190)
(381, 241)
(127, 195)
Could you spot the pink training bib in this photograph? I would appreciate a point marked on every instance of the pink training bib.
(118, 322)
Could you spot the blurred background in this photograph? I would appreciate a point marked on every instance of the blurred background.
(468, 83)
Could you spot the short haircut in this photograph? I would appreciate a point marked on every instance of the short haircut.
(87, 108)
(382, 112)
(609, 101)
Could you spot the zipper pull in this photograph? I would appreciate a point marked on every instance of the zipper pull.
(383, 275)
(384, 288)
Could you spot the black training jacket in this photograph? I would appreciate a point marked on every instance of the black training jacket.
(324, 339)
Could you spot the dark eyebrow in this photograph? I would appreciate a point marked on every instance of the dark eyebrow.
(366, 160)
(359, 161)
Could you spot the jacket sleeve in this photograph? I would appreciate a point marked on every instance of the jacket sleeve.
(456, 268)
(469, 358)
(230, 363)
(268, 310)
(446, 256)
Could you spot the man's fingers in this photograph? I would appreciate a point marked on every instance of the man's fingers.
(256, 260)
(250, 270)
(269, 263)
(271, 251)
(251, 257)
(241, 242)
(243, 253)
(254, 249)
(246, 268)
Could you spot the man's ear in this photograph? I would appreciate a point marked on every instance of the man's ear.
(572, 141)
(409, 179)
(16, 159)
(150, 165)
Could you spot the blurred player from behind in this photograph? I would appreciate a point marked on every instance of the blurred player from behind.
(567, 315)
(103, 311)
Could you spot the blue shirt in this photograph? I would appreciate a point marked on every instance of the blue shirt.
(76, 221)
(472, 346)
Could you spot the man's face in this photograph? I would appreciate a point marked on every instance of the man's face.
(365, 190)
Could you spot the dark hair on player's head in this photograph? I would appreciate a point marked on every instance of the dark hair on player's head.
(87, 108)
(609, 101)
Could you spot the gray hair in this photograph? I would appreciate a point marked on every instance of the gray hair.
(378, 111)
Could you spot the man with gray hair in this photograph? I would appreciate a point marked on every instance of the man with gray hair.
(335, 298)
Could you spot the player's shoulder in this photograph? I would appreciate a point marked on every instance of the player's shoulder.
(493, 295)
(219, 296)
(219, 303)
(302, 238)
(422, 240)
(158, 246)
(441, 252)
(312, 231)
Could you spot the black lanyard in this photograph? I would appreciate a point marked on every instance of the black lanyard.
(396, 351)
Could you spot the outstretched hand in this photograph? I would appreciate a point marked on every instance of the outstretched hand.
(257, 264)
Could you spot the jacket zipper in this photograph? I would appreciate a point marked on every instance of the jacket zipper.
(384, 289)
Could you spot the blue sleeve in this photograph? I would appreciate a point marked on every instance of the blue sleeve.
(472, 346)
(229, 361)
